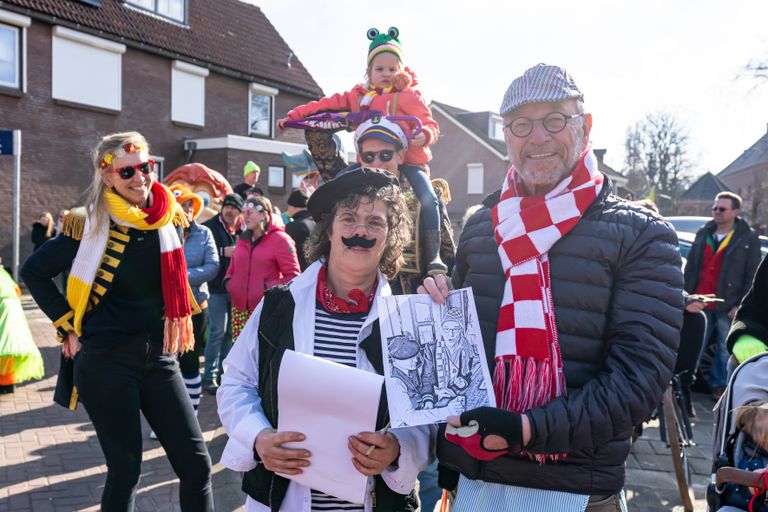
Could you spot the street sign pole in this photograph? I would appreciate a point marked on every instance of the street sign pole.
(16, 201)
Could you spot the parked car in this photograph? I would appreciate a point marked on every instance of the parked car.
(685, 241)
(688, 224)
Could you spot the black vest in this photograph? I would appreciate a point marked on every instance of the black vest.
(275, 337)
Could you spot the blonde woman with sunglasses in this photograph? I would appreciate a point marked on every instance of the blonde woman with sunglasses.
(126, 315)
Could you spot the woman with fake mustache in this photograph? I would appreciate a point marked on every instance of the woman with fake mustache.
(330, 311)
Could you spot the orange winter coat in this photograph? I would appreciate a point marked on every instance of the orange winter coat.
(405, 101)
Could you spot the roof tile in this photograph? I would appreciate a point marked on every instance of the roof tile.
(226, 33)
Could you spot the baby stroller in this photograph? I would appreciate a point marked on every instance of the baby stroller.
(749, 382)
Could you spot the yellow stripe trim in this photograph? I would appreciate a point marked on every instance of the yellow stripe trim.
(99, 289)
(73, 399)
(105, 275)
(118, 235)
(115, 246)
(64, 320)
(111, 261)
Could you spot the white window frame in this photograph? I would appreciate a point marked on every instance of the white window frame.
(471, 185)
(270, 170)
(21, 23)
(494, 121)
(262, 90)
(159, 166)
(72, 36)
(180, 111)
(154, 11)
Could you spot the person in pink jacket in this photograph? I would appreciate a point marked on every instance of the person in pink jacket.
(391, 90)
(264, 256)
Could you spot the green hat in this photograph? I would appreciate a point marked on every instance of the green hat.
(384, 43)
(250, 167)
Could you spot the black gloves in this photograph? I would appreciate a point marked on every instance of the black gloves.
(479, 423)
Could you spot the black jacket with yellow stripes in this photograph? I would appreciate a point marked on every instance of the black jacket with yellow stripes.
(126, 301)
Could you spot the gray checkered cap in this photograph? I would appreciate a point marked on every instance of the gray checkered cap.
(540, 84)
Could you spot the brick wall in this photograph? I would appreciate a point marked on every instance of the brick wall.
(752, 186)
(56, 166)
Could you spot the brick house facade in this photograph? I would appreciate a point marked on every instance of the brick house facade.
(470, 155)
(226, 47)
(747, 175)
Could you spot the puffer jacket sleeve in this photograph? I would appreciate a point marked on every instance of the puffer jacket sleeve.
(415, 106)
(344, 101)
(285, 254)
(209, 267)
(642, 336)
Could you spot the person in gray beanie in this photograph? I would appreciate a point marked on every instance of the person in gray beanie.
(579, 297)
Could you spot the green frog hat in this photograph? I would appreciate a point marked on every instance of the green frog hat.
(383, 43)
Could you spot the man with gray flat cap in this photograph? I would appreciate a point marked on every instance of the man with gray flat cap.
(579, 297)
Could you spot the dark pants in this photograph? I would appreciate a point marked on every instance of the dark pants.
(115, 384)
(422, 188)
(605, 504)
(189, 362)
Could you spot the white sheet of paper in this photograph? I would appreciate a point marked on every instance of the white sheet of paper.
(327, 402)
(447, 374)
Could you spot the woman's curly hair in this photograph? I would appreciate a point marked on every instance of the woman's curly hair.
(398, 221)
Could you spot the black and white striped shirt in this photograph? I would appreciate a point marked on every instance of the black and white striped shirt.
(336, 340)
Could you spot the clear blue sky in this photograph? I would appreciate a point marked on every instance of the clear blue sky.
(629, 58)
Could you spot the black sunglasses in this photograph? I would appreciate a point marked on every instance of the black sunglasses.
(385, 155)
(720, 209)
(127, 172)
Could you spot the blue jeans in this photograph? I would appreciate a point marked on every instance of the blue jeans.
(220, 336)
(422, 188)
(718, 325)
(429, 492)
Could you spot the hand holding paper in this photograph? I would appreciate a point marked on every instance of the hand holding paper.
(289, 461)
(373, 462)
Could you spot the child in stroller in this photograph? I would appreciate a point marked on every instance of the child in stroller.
(741, 438)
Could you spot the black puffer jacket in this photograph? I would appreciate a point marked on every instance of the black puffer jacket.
(617, 288)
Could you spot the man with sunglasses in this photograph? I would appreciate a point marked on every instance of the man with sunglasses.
(579, 299)
(382, 144)
(722, 262)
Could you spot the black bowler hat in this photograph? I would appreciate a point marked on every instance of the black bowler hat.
(350, 180)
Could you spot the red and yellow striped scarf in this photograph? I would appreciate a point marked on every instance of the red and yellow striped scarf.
(177, 296)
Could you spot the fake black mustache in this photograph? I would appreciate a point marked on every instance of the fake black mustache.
(359, 241)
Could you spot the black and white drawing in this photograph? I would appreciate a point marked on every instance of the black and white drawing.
(434, 358)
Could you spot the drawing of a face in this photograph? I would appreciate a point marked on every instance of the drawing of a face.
(406, 365)
(452, 333)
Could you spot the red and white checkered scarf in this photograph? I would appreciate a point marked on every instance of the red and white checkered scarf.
(529, 367)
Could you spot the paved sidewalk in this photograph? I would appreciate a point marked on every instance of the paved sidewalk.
(50, 459)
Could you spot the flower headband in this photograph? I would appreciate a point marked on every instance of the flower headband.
(120, 152)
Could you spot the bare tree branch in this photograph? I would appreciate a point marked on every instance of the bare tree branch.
(657, 155)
